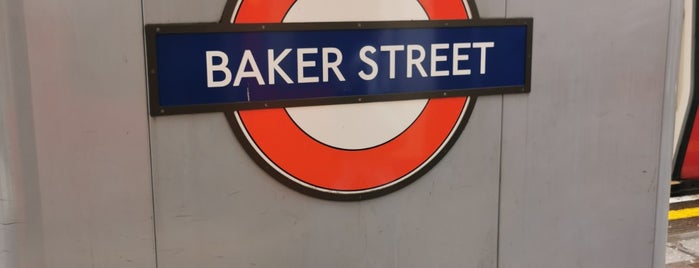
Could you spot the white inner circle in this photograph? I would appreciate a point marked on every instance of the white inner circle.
(364, 125)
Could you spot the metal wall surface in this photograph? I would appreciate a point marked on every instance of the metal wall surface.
(678, 10)
(580, 157)
(8, 123)
(215, 208)
(75, 138)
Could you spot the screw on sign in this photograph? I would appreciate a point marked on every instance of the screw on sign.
(334, 99)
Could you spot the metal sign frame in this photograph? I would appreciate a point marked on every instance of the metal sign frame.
(153, 30)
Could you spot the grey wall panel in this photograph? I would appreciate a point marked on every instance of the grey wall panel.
(670, 100)
(215, 208)
(580, 153)
(22, 219)
(89, 127)
(13, 75)
(491, 8)
(173, 11)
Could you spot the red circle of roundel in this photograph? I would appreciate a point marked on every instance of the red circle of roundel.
(296, 159)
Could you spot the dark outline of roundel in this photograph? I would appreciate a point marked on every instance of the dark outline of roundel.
(257, 125)
(469, 102)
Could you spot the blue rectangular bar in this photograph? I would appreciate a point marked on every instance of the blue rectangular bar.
(229, 68)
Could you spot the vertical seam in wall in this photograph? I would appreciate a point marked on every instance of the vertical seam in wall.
(150, 143)
(27, 151)
(502, 135)
(502, 124)
(8, 213)
(666, 133)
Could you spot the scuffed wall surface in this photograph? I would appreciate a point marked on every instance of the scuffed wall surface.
(82, 136)
(581, 152)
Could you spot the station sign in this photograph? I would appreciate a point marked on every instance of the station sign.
(203, 68)
(339, 110)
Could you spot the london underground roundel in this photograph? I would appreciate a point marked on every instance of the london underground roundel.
(368, 144)
(362, 152)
